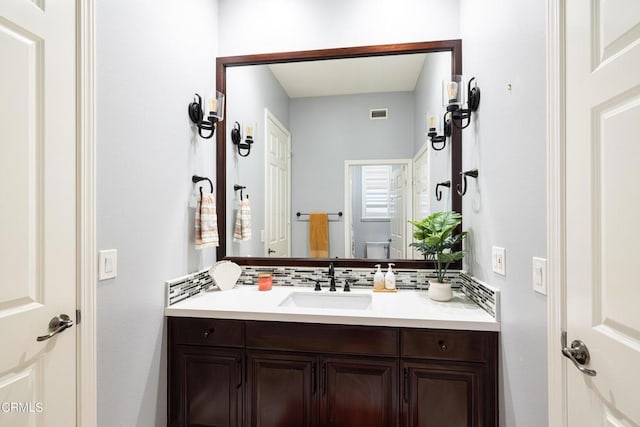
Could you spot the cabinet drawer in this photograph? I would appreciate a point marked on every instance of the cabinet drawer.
(448, 345)
(202, 331)
(322, 338)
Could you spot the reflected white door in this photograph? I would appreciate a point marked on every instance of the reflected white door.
(398, 213)
(421, 196)
(278, 188)
(421, 193)
(602, 205)
(38, 211)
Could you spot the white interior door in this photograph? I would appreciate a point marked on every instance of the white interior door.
(398, 212)
(38, 211)
(602, 205)
(278, 188)
(421, 190)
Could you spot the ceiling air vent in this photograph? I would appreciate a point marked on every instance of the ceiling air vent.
(378, 114)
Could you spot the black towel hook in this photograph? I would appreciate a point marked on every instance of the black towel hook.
(237, 187)
(196, 179)
(438, 191)
(473, 173)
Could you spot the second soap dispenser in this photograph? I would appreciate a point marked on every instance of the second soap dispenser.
(390, 279)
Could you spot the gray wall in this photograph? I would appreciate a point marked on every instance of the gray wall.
(250, 90)
(506, 206)
(326, 131)
(254, 26)
(151, 58)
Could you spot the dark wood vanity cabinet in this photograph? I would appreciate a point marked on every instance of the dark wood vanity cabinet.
(293, 374)
(309, 390)
(321, 375)
(206, 372)
(281, 389)
(449, 378)
(359, 393)
(210, 383)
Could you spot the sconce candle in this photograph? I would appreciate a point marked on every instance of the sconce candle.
(452, 92)
(236, 138)
(249, 131)
(432, 123)
(433, 133)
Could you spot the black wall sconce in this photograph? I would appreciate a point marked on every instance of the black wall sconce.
(473, 173)
(433, 133)
(215, 114)
(438, 191)
(236, 138)
(461, 117)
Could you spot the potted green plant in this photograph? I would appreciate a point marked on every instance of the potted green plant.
(436, 240)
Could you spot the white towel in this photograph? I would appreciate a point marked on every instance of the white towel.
(206, 222)
(242, 229)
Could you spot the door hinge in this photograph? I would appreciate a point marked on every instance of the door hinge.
(78, 317)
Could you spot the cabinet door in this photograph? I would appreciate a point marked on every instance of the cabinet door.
(282, 390)
(205, 387)
(443, 394)
(359, 393)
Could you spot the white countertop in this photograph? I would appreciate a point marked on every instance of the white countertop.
(405, 308)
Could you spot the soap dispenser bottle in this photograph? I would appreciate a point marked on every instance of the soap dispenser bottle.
(390, 279)
(378, 279)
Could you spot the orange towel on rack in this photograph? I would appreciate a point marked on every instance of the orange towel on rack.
(319, 235)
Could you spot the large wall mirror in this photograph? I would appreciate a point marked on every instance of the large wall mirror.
(341, 131)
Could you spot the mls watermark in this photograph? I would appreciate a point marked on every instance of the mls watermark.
(21, 407)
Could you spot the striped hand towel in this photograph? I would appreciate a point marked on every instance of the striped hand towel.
(206, 222)
(242, 229)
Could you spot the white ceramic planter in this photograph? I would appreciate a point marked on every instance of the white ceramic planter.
(439, 291)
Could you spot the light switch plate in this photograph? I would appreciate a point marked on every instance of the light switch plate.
(499, 260)
(107, 264)
(539, 275)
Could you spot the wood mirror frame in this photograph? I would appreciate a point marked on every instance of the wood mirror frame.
(222, 63)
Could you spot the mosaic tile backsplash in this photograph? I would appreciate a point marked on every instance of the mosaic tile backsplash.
(187, 286)
(363, 277)
(482, 294)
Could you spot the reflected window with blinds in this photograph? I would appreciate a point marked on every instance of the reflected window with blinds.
(376, 192)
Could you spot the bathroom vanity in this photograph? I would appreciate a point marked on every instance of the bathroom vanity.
(242, 358)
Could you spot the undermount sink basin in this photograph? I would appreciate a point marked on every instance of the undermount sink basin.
(341, 301)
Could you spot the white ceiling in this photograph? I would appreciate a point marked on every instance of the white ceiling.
(395, 73)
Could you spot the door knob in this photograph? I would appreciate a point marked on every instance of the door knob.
(271, 251)
(57, 325)
(578, 353)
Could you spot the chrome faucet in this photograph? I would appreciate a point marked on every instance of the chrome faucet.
(332, 278)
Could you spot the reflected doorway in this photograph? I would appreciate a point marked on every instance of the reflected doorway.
(378, 198)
